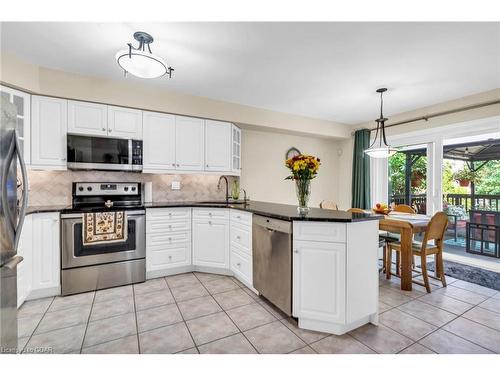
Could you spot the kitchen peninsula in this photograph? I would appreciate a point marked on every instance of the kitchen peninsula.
(333, 262)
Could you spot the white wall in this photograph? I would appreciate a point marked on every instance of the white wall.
(263, 173)
(44, 81)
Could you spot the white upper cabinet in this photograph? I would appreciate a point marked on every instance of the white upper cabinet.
(49, 127)
(189, 143)
(158, 142)
(217, 146)
(22, 102)
(124, 123)
(87, 118)
(235, 150)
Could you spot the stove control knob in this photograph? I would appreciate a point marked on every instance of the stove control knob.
(125, 188)
(89, 188)
(80, 188)
(133, 188)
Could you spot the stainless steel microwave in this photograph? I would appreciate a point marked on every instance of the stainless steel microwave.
(99, 153)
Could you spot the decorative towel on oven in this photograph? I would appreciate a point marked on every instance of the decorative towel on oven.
(104, 227)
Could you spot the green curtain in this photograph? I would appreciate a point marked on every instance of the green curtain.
(361, 170)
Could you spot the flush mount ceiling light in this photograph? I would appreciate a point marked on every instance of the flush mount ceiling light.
(140, 62)
(380, 149)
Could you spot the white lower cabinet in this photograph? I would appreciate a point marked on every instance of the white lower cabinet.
(24, 273)
(211, 237)
(335, 275)
(204, 239)
(241, 246)
(319, 280)
(168, 240)
(46, 255)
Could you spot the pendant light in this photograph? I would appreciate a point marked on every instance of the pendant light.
(141, 62)
(379, 147)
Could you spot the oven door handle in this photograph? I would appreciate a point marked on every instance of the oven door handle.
(130, 214)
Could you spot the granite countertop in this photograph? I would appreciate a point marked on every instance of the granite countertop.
(273, 210)
(48, 208)
(276, 210)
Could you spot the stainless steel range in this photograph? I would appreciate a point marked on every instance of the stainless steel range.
(103, 265)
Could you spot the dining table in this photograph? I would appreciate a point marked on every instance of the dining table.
(406, 225)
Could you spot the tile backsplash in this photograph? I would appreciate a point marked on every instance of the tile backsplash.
(54, 187)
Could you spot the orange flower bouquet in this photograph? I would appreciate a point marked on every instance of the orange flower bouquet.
(303, 169)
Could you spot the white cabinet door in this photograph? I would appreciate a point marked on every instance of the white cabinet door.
(165, 256)
(24, 269)
(46, 251)
(22, 102)
(124, 123)
(236, 150)
(158, 142)
(211, 243)
(49, 127)
(217, 146)
(189, 143)
(319, 281)
(87, 118)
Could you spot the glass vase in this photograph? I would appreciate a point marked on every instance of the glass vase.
(303, 190)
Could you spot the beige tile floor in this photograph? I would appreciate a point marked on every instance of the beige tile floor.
(205, 313)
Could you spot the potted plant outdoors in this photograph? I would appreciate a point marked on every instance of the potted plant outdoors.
(464, 177)
(303, 169)
(416, 178)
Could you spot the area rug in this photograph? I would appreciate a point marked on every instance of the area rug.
(474, 275)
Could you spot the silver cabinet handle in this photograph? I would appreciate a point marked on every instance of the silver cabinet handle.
(209, 222)
(63, 159)
(173, 165)
(103, 129)
(238, 264)
(169, 227)
(296, 251)
(238, 237)
(110, 130)
(170, 257)
(170, 238)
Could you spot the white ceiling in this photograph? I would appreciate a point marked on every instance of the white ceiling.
(321, 70)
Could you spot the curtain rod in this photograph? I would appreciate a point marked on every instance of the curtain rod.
(443, 113)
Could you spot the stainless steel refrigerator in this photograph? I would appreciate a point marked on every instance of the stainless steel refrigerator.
(12, 215)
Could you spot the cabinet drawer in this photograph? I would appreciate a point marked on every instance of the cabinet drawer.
(211, 213)
(153, 214)
(168, 226)
(241, 217)
(241, 265)
(161, 257)
(167, 239)
(318, 231)
(241, 236)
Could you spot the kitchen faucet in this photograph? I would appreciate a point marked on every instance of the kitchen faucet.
(227, 187)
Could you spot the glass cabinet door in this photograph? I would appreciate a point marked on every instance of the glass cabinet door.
(236, 149)
(21, 100)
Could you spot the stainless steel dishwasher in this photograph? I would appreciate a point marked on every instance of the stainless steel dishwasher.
(272, 260)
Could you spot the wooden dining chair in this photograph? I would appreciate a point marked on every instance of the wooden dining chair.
(404, 208)
(328, 205)
(435, 231)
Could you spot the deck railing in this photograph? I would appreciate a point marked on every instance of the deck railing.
(489, 202)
